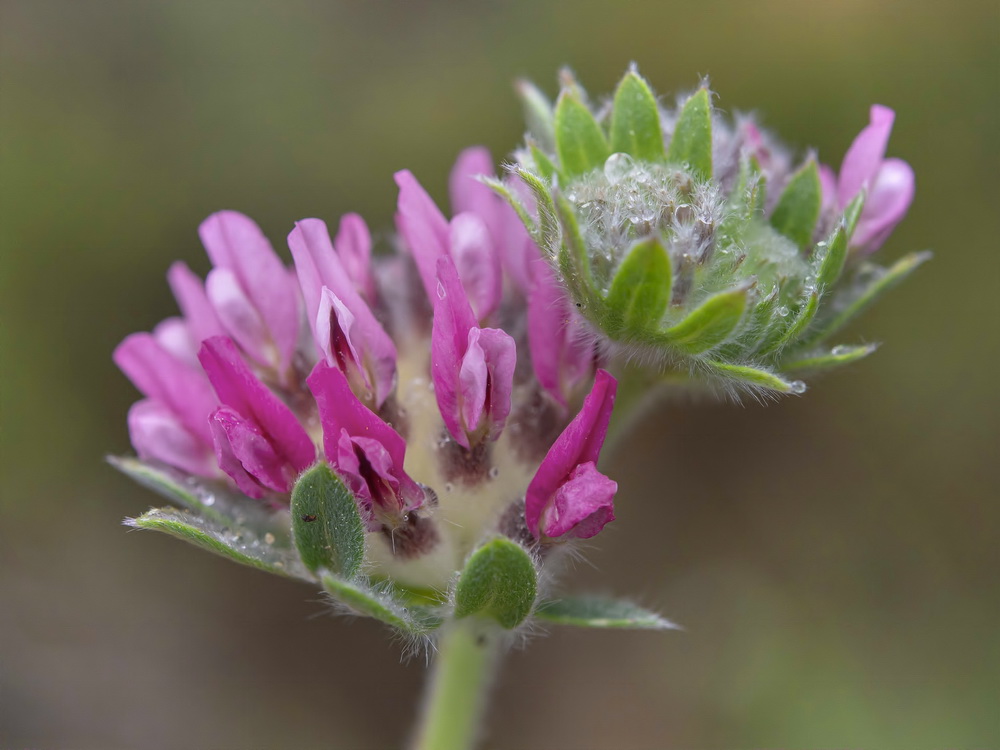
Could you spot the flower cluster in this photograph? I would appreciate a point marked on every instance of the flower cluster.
(439, 383)
(419, 431)
(697, 242)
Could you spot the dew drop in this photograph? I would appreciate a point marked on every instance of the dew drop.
(440, 291)
(840, 351)
(617, 167)
(448, 487)
(797, 386)
(494, 472)
(782, 312)
(208, 500)
(269, 538)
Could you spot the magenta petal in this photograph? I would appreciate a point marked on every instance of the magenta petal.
(239, 317)
(157, 434)
(193, 302)
(453, 319)
(334, 326)
(240, 439)
(477, 263)
(473, 378)
(354, 246)
(341, 413)
(579, 443)
(582, 506)
(423, 227)
(518, 253)
(559, 359)
(467, 192)
(238, 389)
(230, 464)
(318, 266)
(233, 241)
(500, 355)
(864, 157)
(164, 378)
(888, 200)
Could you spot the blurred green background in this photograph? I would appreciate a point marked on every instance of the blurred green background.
(834, 558)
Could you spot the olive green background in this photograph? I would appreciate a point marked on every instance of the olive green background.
(834, 558)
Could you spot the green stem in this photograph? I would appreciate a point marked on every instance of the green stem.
(455, 701)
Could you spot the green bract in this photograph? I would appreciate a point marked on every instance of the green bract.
(658, 222)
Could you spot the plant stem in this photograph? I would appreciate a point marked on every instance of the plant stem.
(455, 699)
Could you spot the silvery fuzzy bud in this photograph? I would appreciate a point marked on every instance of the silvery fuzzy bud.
(695, 242)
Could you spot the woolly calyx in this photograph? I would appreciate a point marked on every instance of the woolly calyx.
(695, 242)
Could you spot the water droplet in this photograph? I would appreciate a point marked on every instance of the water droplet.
(782, 312)
(617, 167)
(440, 291)
(840, 351)
(448, 487)
(269, 538)
(571, 197)
(208, 500)
(494, 472)
(797, 386)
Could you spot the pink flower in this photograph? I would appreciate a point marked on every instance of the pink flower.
(258, 441)
(472, 367)
(561, 355)
(171, 425)
(568, 495)
(365, 450)
(254, 297)
(466, 240)
(344, 328)
(888, 182)
(354, 247)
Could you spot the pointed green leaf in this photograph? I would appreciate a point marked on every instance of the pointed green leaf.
(691, 143)
(243, 545)
(326, 525)
(211, 499)
(574, 262)
(796, 324)
(542, 162)
(537, 114)
(710, 323)
(754, 377)
(831, 263)
(547, 224)
(635, 121)
(499, 581)
(580, 142)
(514, 202)
(380, 604)
(599, 612)
(640, 290)
(859, 299)
(797, 211)
(839, 355)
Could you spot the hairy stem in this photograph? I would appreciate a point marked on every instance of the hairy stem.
(455, 699)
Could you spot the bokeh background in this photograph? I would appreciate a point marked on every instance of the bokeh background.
(834, 558)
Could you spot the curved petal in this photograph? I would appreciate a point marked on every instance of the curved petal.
(161, 376)
(238, 388)
(864, 157)
(233, 241)
(193, 301)
(354, 246)
(242, 440)
(579, 443)
(157, 434)
(238, 315)
(888, 201)
(423, 227)
(477, 263)
(582, 506)
(453, 319)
